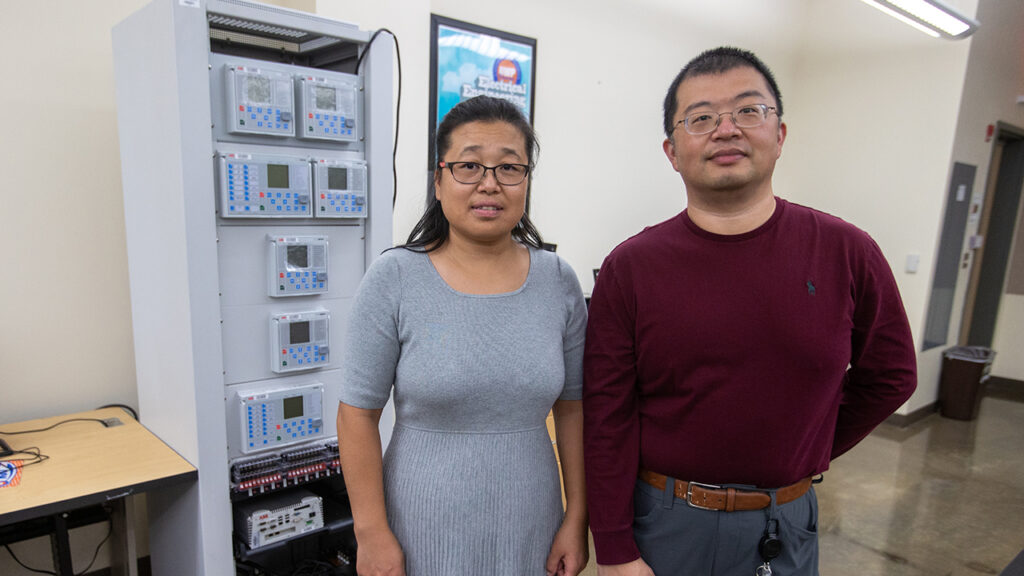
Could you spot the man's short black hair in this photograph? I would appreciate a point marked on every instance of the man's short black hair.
(716, 61)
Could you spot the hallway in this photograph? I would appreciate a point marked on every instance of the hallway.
(940, 497)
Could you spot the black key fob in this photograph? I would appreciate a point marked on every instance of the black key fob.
(769, 547)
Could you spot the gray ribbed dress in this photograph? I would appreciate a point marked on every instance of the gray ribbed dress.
(470, 479)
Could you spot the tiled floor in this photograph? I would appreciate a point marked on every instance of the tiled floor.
(940, 497)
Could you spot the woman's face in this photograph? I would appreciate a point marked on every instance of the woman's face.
(487, 211)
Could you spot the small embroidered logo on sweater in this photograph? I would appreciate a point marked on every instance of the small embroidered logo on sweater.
(810, 288)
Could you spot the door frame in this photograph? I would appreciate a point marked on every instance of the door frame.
(972, 331)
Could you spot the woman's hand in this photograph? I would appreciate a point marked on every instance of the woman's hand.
(379, 554)
(569, 551)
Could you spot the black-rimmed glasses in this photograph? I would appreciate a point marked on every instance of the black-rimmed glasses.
(474, 172)
(746, 116)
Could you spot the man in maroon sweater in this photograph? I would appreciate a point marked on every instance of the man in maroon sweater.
(732, 351)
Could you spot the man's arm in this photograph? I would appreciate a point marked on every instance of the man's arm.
(883, 367)
(611, 429)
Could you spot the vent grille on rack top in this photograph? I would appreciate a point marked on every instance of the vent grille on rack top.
(261, 35)
(250, 40)
(257, 27)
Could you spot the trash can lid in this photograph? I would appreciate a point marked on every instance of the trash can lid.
(970, 353)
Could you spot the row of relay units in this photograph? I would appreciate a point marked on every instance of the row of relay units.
(274, 102)
(282, 186)
(297, 266)
(282, 181)
(276, 416)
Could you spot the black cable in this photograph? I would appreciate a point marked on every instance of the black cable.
(96, 553)
(124, 407)
(37, 457)
(398, 106)
(311, 567)
(308, 567)
(34, 452)
(22, 564)
(55, 425)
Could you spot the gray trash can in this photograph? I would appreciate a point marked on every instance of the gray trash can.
(964, 371)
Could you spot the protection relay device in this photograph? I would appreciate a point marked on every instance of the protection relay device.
(300, 341)
(340, 188)
(329, 107)
(277, 417)
(278, 517)
(264, 186)
(260, 101)
(296, 265)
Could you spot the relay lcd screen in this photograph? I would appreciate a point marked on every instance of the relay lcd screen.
(298, 332)
(258, 89)
(326, 97)
(277, 175)
(337, 178)
(298, 256)
(292, 407)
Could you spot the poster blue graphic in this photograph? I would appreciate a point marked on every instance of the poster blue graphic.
(470, 64)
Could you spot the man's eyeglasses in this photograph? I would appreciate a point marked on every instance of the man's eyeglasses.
(746, 116)
(474, 172)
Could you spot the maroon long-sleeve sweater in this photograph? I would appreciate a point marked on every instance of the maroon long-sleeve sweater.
(748, 359)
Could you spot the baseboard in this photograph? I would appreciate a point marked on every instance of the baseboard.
(904, 420)
(1005, 388)
(144, 569)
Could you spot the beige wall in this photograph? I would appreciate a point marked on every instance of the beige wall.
(995, 78)
(66, 344)
(603, 66)
(882, 160)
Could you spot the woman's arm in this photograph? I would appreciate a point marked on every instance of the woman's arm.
(570, 551)
(362, 465)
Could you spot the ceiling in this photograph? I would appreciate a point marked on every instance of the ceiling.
(825, 25)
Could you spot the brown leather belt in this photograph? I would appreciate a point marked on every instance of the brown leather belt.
(711, 497)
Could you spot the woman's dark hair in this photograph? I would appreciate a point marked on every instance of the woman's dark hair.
(432, 229)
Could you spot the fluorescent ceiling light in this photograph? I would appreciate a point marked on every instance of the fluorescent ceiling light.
(929, 16)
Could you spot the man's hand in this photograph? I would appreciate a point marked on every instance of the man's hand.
(635, 568)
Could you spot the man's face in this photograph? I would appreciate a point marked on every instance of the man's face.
(728, 159)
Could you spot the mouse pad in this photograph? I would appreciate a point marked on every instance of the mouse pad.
(10, 473)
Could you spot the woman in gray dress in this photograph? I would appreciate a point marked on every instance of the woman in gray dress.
(478, 332)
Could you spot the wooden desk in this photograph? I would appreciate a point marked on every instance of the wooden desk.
(89, 464)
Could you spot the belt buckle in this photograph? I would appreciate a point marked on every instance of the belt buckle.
(689, 494)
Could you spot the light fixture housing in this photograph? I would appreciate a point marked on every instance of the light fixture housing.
(929, 16)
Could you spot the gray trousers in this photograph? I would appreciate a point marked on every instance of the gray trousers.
(676, 539)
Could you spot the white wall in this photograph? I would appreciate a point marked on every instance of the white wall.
(995, 78)
(877, 161)
(67, 342)
(66, 345)
(603, 68)
(601, 178)
(870, 136)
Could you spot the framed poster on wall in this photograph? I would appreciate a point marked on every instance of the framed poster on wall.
(467, 60)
